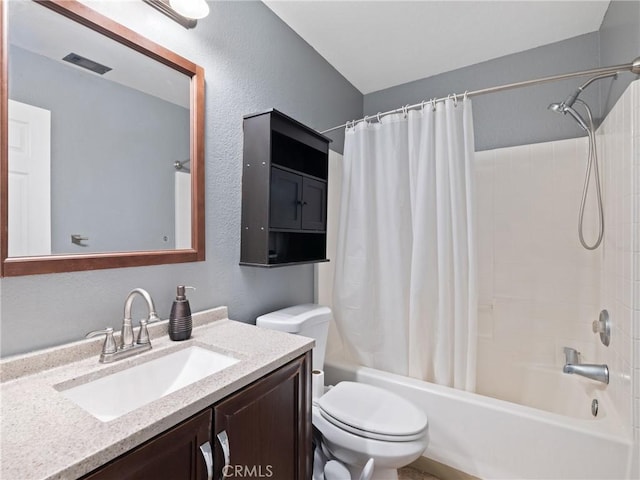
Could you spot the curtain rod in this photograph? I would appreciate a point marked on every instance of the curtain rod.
(633, 67)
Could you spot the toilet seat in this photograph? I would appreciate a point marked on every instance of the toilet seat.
(367, 434)
(372, 412)
(353, 449)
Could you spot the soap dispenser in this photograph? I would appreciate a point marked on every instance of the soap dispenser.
(180, 324)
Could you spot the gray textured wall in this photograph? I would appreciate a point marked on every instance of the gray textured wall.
(520, 116)
(253, 62)
(111, 147)
(514, 117)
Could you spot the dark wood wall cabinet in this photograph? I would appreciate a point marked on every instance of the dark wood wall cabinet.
(284, 192)
(261, 431)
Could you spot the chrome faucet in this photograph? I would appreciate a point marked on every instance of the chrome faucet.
(599, 373)
(127, 348)
(126, 335)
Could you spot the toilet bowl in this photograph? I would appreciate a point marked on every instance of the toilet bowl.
(356, 421)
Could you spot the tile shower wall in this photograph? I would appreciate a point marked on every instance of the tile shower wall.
(539, 289)
(619, 144)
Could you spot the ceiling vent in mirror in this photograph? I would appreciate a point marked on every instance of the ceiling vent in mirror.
(86, 63)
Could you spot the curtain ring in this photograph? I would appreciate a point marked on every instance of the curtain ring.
(378, 117)
(466, 96)
(422, 104)
(366, 119)
(455, 100)
(405, 110)
(433, 104)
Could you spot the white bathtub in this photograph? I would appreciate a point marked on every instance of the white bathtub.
(494, 439)
(547, 388)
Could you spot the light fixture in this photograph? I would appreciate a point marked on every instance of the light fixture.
(185, 12)
(195, 9)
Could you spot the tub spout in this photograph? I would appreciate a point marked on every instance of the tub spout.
(599, 373)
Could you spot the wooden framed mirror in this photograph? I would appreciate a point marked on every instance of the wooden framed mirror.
(122, 128)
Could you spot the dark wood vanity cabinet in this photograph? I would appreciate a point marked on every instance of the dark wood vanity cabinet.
(284, 192)
(173, 455)
(268, 435)
(267, 427)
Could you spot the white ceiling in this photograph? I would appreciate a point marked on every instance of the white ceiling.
(380, 44)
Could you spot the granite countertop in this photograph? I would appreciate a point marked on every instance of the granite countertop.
(43, 435)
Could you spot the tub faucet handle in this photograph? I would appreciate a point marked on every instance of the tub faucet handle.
(571, 356)
(603, 327)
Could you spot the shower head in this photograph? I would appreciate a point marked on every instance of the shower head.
(567, 105)
(556, 107)
(564, 108)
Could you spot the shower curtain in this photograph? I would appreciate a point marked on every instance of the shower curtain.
(405, 289)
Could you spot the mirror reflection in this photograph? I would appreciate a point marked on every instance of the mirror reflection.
(99, 142)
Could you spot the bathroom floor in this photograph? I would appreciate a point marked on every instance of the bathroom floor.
(408, 473)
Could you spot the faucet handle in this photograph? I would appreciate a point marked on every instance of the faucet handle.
(603, 327)
(109, 345)
(143, 333)
(571, 355)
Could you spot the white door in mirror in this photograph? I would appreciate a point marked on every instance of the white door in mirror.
(29, 180)
(183, 209)
(122, 392)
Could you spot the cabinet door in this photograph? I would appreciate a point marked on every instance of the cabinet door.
(314, 204)
(286, 199)
(173, 455)
(267, 427)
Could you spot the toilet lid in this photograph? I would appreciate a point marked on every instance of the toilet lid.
(372, 412)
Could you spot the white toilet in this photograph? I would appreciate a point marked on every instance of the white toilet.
(356, 421)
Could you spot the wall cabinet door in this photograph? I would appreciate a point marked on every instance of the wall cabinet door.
(173, 455)
(285, 200)
(314, 204)
(264, 431)
(297, 202)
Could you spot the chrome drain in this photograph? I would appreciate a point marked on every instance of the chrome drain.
(594, 407)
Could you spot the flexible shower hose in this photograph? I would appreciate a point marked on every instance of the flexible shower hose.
(592, 163)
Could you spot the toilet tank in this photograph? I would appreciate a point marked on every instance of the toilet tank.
(310, 320)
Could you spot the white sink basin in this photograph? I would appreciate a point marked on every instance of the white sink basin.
(122, 392)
